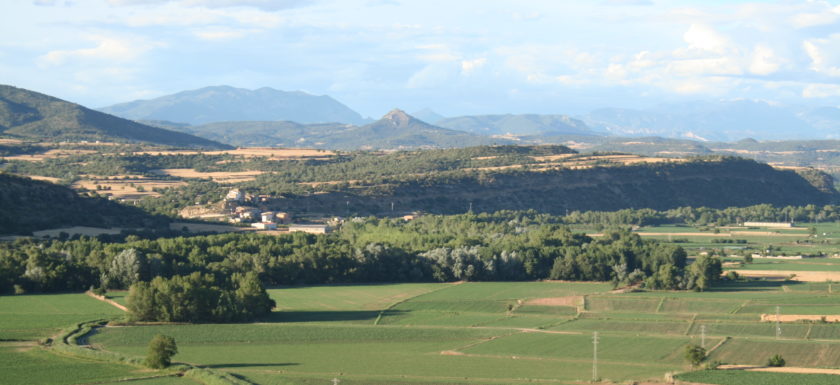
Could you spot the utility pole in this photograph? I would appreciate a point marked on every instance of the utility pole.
(595, 356)
(703, 336)
(778, 327)
(470, 207)
(392, 207)
(336, 381)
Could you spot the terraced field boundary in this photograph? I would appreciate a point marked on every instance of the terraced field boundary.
(391, 306)
(68, 343)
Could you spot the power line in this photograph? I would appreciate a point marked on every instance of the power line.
(703, 336)
(778, 326)
(595, 356)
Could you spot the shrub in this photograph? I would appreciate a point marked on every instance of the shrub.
(776, 361)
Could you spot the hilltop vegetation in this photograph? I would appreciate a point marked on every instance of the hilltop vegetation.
(709, 182)
(31, 115)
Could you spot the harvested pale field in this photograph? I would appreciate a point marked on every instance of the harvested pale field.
(765, 234)
(571, 300)
(784, 369)
(50, 154)
(43, 178)
(10, 141)
(800, 317)
(253, 152)
(76, 230)
(206, 228)
(695, 234)
(126, 188)
(218, 176)
(802, 276)
(550, 158)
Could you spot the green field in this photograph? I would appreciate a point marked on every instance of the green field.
(29, 317)
(485, 333)
(25, 319)
(740, 377)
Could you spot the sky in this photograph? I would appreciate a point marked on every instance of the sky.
(456, 57)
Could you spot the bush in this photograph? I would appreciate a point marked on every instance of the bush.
(161, 350)
(776, 361)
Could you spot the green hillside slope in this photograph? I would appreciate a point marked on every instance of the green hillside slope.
(31, 115)
(28, 205)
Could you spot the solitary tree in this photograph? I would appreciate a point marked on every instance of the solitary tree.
(161, 350)
(695, 354)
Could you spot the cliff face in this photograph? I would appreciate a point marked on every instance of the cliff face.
(711, 183)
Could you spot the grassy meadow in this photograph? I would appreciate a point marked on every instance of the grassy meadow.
(504, 333)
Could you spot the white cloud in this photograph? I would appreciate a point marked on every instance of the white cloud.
(468, 66)
(703, 38)
(824, 54)
(823, 17)
(269, 5)
(821, 90)
(110, 49)
(764, 61)
(220, 33)
(433, 75)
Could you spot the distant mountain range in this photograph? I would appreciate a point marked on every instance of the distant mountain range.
(31, 115)
(225, 104)
(517, 125)
(395, 130)
(720, 121)
(703, 121)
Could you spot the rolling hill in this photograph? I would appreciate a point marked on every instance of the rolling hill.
(32, 115)
(227, 104)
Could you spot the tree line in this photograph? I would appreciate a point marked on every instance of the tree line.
(429, 249)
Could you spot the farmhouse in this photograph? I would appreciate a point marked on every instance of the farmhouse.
(264, 225)
(235, 195)
(312, 229)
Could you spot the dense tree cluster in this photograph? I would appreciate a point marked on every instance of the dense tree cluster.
(199, 298)
(430, 248)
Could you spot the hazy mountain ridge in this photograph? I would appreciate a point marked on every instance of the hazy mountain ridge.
(225, 103)
(32, 115)
(518, 125)
(720, 121)
(395, 130)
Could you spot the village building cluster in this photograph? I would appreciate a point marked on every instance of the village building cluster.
(241, 210)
